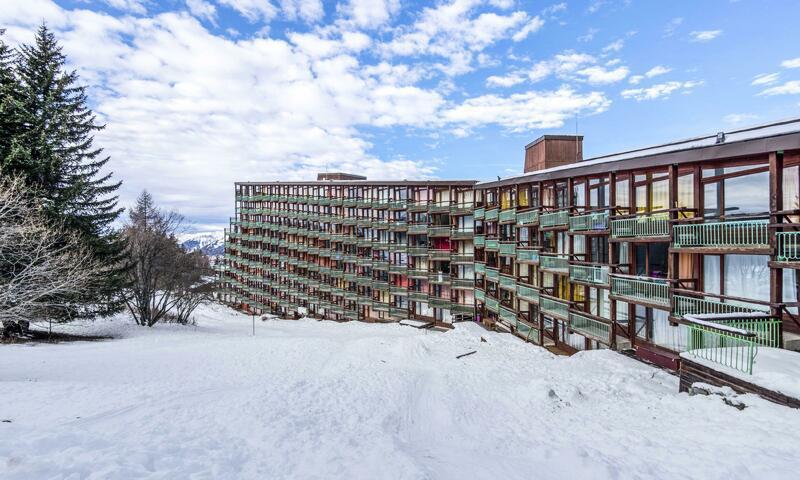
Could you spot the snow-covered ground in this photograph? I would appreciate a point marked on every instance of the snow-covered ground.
(308, 399)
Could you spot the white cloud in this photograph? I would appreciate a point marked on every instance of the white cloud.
(555, 8)
(588, 36)
(636, 79)
(202, 9)
(600, 75)
(526, 111)
(505, 81)
(791, 63)
(131, 6)
(614, 46)
(252, 10)
(788, 88)
(308, 10)
(765, 79)
(661, 90)
(656, 71)
(705, 35)
(739, 118)
(453, 30)
(371, 13)
(531, 27)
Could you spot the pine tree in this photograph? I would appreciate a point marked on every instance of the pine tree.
(10, 107)
(56, 155)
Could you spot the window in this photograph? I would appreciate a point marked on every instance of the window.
(735, 191)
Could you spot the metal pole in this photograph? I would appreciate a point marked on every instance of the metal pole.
(254, 324)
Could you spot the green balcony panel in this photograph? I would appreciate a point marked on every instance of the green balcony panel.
(589, 274)
(461, 258)
(641, 289)
(507, 216)
(507, 315)
(554, 308)
(528, 218)
(443, 255)
(589, 222)
(555, 263)
(590, 327)
(492, 305)
(492, 274)
(492, 244)
(554, 219)
(440, 231)
(527, 255)
(417, 251)
(462, 234)
(480, 268)
(508, 249)
(480, 295)
(417, 228)
(492, 215)
(479, 240)
(479, 213)
(528, 294)
(508, 283)
(641, 226)
(746, 234)
(683, 305)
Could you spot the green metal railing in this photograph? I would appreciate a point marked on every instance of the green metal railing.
(479, 240)
(527, 256)
(642, 226)
(589, 274)
(684, 305)
(733, 350)
(530, 295)
(528, 218)
(492, 214)
(492, 304)
(508, 248)
(552, 262)
(642, 289)
(508, 283)
(507, 216)
(555, 308)
(508, 315)
(554, 219)
(788, 246)
(492, 274)
(591, 221)
(590, 327)
(480, 295)
(439, 231)
(721, 234)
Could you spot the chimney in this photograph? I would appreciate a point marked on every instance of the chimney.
(339, 176)
(552, 151)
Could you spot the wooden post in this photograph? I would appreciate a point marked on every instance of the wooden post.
(775, 205)
(612, 202)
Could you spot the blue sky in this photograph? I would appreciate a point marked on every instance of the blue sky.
(200, 93)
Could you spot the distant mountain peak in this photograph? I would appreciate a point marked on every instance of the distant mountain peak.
(211, 243)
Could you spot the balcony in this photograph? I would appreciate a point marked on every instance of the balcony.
(479, 240)
(461, 257)
(417, 251)
(554, 308)
(492, 305)
(788, 246)
(480, 295)
(509, 316)
(528, 294)
(590, 222)
(418, 273)
(554, 219)
(443, 255)
(745, 234)
(417, 206)
(462, 283)
(507, 216)
(417, 228)
(642, 226)
(554, 263)
(684, 305)
(597, 275)
(439, 231)
(418, 296)
(439, 278)
(508, 283)
(508, 249)
(590, 327)
(492, 274)
(492, 244)
(653, 291)
(439, 207)
(527, 255)
(528, 218)
(461, 209)
(480, 268)
(491, 215)
(462, 234)
(479, 213)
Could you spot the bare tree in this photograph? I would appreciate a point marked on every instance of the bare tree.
(166, 282)
(42, 268)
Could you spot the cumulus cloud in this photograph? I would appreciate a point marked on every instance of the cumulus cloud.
(704, 35)
(531, 27)
(371, 13)
(130, 6)
(600, 75)
(656, 71)
(505, 80)
(202, 9)
(661, 90)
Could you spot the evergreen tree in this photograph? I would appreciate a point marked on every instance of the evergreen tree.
(10, 107)
(55, 153)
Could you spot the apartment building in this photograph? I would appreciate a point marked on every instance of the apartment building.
(658, 250)
(618, 251)
(344, 248)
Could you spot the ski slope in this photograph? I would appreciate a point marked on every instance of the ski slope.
(320, 400)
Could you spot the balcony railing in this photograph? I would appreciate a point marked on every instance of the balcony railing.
(528, 218)
(527, 255)
(788, 246)
(491, 215)
(508, 249)
(507, 216)
(642, 226)
(752, 234)
(591, 221)
(554, 263)
(479, 240)
(492, 244)
(554, 219)
(590, 327)
(554, 308)
(439, 254)
(589, 274)
(461, 234)
(479, 213)
(508, 283)
(528, 294)
(492, 304)
(684, 305)
(641, 289)
(492, 274)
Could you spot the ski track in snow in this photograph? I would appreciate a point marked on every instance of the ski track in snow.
(319, 400)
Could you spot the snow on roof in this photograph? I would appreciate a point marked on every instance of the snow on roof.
(781, 127)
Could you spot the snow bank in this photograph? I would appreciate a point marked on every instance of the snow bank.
(307, 399)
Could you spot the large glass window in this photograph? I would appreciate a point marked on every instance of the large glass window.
(735, 191)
